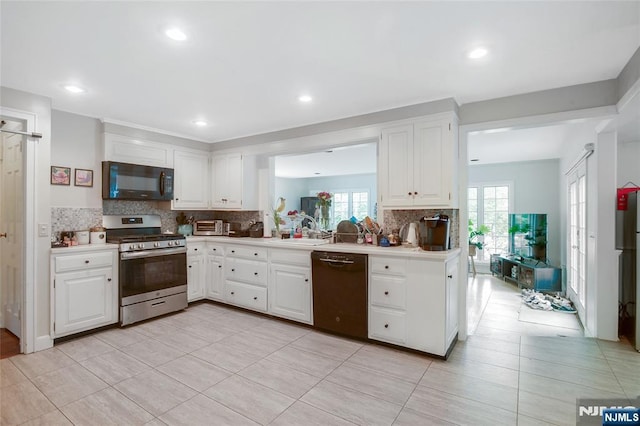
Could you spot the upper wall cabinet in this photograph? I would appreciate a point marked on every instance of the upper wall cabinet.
(234, 182)
(137, 151)
(418, 164)
(191, 180)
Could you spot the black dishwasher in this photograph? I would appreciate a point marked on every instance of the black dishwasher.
(340, 292)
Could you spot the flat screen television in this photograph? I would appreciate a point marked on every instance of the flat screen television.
(528, 235)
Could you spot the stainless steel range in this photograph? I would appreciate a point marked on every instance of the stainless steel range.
(153, 267)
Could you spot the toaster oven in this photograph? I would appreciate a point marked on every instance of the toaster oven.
(208, 227)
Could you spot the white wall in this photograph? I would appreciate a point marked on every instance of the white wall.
(76, 143)
(293, 189)
(536, 190)
(628, 163)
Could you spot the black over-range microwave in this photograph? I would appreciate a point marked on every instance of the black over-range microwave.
(124, 181)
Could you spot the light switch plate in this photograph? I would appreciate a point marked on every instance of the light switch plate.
(43, 229)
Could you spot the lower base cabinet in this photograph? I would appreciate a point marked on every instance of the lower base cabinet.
(414, 303)
(195, 271)
(85, 290)
(246, 295)
(290, 292)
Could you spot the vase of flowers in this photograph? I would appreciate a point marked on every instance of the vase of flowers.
(324, 203)
(277, 219)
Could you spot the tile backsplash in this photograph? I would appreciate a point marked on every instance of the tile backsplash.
(394, 219)
(76, 219)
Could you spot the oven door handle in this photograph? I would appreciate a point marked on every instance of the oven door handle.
(151, 253)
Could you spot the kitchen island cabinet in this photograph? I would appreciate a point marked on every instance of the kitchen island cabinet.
(418, 164)
(413, 303)
(413, 294)
(290, 285)
(84, 285)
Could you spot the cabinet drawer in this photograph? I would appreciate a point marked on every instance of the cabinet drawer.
(386, 265)
(83, 261)
(215, 249)
(246, 270)
(388, 326)
(388, 291)
(247, 252)
(195, 248)
(291, 257)
(247, 295)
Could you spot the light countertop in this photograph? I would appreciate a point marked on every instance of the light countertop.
(306, 244)
(84, 247)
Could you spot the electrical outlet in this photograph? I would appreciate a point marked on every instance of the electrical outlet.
(43, 229)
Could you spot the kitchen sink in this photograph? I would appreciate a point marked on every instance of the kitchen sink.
(299, 241)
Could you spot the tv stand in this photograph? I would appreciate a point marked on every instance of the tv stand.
(527, 273)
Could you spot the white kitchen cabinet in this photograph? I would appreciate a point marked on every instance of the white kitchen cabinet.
(196, 271)
(418, 164)
(290, 293)
(126, 149)
(413, 302)
(432, 300)
(85, 290)
(227, 181)
(191, 177)
(388, 299)
(245, 272)
(214, 275)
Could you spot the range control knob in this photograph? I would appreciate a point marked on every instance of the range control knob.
(156, 244)
(141, 246)
(170, 243)
(132, 246)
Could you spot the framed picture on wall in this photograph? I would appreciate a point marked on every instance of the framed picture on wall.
(83, 177)
(60, 175)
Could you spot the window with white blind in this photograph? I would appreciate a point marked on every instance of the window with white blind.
(347, 203)
(490, 204)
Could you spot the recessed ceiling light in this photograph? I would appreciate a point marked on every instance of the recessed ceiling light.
(200, 123)
(305, 98)
(176, 34)
(478, 53)
(74, 89)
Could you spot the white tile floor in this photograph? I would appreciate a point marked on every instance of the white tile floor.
(213, 365)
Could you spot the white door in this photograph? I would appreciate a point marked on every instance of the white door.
(11, 227)
(191, 177)
(577, 238)
(290, 292)
(431, 160)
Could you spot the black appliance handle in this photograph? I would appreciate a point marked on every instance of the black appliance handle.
(152, 253)
(162, 178)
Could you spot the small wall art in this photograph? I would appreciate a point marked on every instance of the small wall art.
(83, 177)
(60, 175)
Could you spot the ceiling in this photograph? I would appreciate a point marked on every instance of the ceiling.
(244, 64)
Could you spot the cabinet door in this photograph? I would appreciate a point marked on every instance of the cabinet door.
(191, 172)
(84, 300)
(137, 151)
(214, 277)
(227, 181)
(290, 292)
(395, 171)
(432, 164)
(451, 297)
(195, 277)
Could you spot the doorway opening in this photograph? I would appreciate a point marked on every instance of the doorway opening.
(12, 225)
